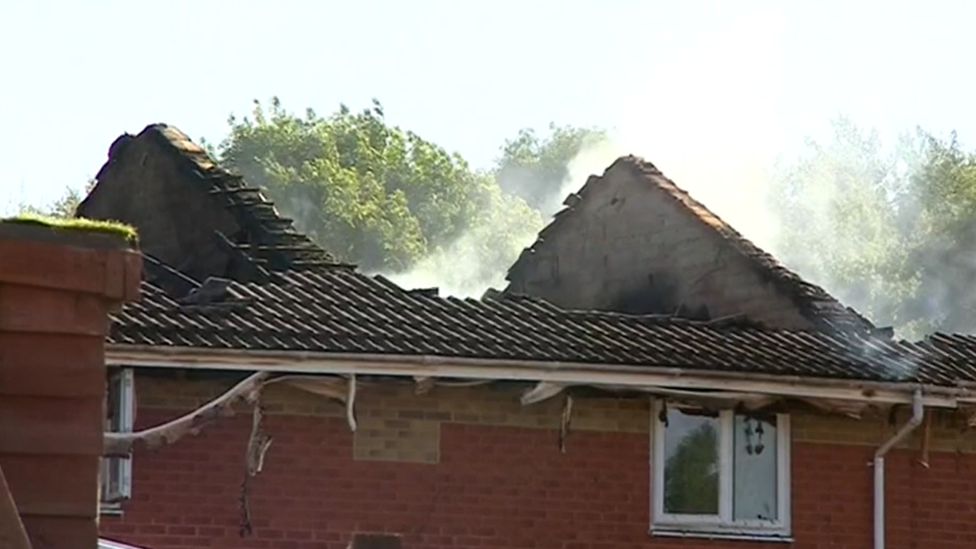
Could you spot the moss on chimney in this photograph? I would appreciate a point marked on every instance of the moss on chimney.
(111, 228)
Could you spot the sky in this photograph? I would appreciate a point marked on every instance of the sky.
(692, 84)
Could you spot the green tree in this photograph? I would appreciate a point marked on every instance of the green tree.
(836, 205)
(691, 474)
(64, 206)
(374, 194)
(939, 209)
(890, 233)
(535, 168)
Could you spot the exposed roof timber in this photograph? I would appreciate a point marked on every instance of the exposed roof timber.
(638, 378)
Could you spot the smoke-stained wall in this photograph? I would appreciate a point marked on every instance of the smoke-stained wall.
(630, 247)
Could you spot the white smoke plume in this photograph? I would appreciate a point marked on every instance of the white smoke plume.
(459, 270)
(710, 115)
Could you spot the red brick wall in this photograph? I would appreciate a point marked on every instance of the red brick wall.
(504, 486)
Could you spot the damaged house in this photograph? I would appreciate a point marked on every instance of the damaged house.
(733, 404)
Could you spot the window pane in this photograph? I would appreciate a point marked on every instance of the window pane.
(691, 464)
(754, 479)
(112, 402)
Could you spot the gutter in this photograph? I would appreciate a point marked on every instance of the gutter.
(918, 413)
(567, 373)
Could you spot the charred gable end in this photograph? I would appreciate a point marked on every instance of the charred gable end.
(193, 214)
(631, 240)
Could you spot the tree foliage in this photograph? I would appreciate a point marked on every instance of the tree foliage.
(374, 194)
(64, 206)
(891, 232)
(535, 168)
(691, 474)
(836, 207)
(940, 213)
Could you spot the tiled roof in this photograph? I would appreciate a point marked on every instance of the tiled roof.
(813, 301)
(340, 310)
(305, 301)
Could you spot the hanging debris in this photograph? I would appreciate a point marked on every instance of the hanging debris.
(565, 423)
(351, 403)
(543, 390)
(257, 447)
(423, 385)
(926, 441)
(121, 444)
(329, 387)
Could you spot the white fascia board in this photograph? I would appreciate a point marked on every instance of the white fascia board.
(638, 378)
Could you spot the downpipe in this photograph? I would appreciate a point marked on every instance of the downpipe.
(918, 413)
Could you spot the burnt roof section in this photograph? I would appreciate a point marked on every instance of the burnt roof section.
(343, 311)
(813, 302)
(267, 240)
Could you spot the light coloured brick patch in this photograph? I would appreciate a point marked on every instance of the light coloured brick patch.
(390, 439)
(948, 432)
(388, 432)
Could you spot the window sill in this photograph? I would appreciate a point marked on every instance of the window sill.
(707, 533)
(110, 510)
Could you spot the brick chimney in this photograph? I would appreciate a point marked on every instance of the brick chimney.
(57, 287)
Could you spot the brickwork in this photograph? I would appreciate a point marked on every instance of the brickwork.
(497, 479)
(396, 424)
(627, 230)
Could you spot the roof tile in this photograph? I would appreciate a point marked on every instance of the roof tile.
(342, 311)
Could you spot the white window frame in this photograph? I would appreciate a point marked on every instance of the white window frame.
(116, 476)
(721, 525)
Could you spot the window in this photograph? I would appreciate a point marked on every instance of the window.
(119, 413)
(720, 473)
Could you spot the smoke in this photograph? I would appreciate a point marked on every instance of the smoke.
(469, 265)
(717, 117)
(708, 113)
(716, 114)
(478, 259)
(712, 114)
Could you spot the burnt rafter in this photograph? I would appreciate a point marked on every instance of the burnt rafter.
(245, 266)
(281, 246)
(174, 282)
